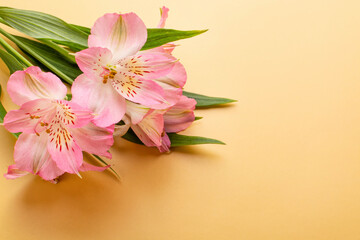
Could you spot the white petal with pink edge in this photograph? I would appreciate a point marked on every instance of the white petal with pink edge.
(123, 34)
(32, 83)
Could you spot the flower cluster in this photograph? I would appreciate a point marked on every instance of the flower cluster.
(121, 87)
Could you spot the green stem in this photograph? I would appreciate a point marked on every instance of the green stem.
(60, 50)
(12, 51)
(34, 54)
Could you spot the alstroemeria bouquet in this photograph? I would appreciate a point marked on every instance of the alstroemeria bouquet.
(124, 82)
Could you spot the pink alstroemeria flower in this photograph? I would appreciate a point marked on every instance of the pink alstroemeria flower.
(116, 70)
(152, 125)
(54, 131)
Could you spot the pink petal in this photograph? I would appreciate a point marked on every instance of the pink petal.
(136, 112)
(94, 139)
(64, 150)
(148, 65)
(31, 84)
(107, 104)
(180, 116)
(164, 15)
(150, 129)
(177, 77)
(30, 116)
(14, 172)
(72, 115)
(31, 156)
(165, 144)
(89, 167)
(93, 61)
(171, 95)
(123, 34)
(145, 92)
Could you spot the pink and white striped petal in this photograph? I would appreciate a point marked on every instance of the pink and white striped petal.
(106, 103)
(32, 83)
(93, 139)
(123, 34)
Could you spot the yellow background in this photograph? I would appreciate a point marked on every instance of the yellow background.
(291, 166)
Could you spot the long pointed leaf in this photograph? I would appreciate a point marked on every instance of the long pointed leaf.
(176, 139)
(49, 57)
(161, 36)
(206, 101)
(11, 62)
(42, 26)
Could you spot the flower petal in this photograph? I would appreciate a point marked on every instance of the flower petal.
(93, 61)
(180, 116)
(165, 144)
(14, 172)
(89, 167)
(64, 150)
(176, 77)
(164, 15)
(31, 156)
(150, 129)
(31, 117)
(123, 34)
(145, 92)
(107, 104)
(71, 114)
(147, 65)
(94, 139)
(136, 112)
(31, 84)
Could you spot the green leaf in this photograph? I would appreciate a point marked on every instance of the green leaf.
(206, 101)
(176, 139)
(2, 109)
(131, 137)
(85, 30)
(157, 36)
(49, 57)
(11, 62)
(183, 140)
(43, 26)
(161, 36)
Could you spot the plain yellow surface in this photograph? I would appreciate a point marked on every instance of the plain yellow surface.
(291, 166)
